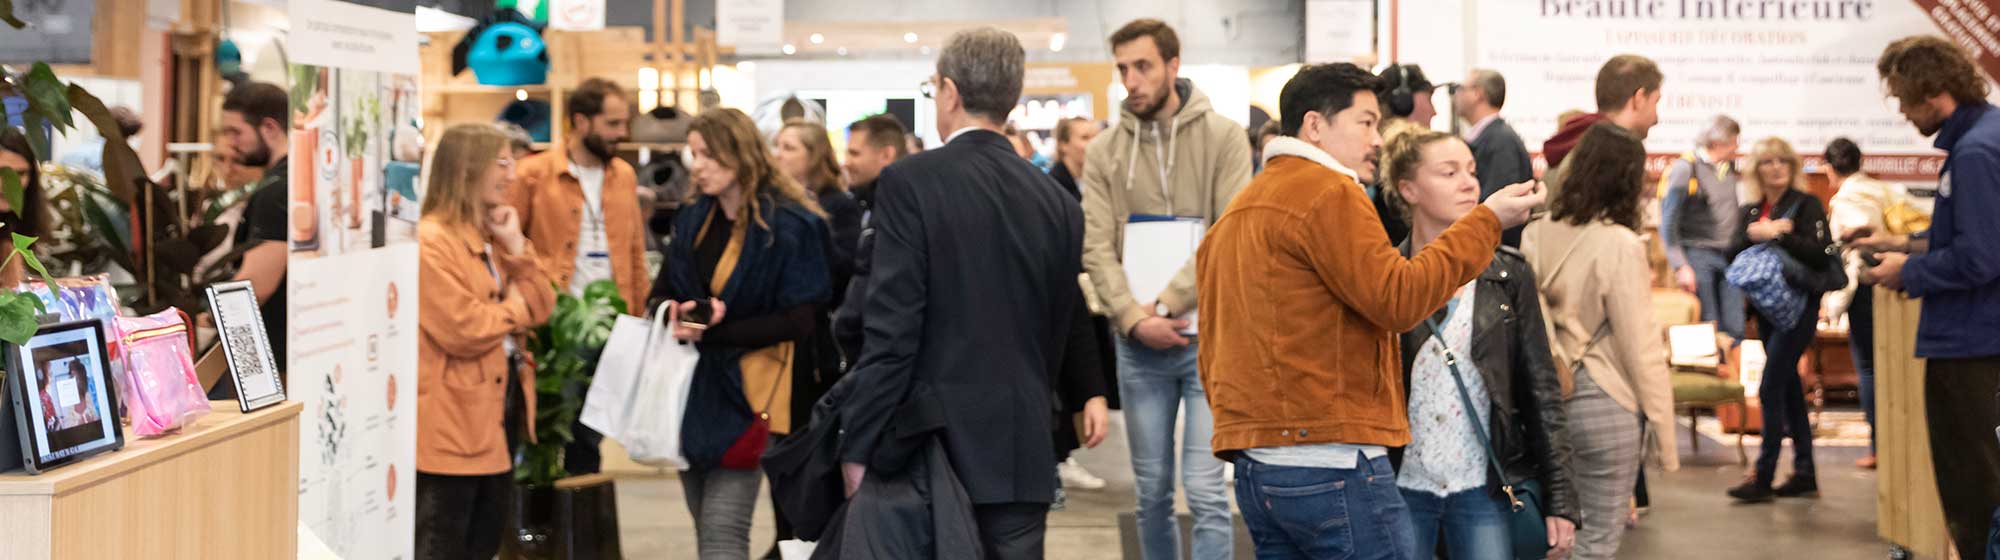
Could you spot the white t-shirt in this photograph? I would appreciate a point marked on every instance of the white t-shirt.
(593, 249)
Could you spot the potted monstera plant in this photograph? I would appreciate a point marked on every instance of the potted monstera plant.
(558, 516)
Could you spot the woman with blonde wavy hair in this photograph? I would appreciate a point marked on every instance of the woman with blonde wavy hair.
(746, 279)
(1779, 211)
(482, 287)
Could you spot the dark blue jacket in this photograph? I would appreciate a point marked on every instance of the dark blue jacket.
(1959, 279)
(781, 267)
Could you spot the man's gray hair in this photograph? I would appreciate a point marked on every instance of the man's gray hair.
(1719, 129)
(987, 65)
(1492, 84)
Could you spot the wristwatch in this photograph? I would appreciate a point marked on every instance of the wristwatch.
(1160, 309)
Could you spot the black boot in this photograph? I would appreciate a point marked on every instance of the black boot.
(1798, 486)
(1751, 492)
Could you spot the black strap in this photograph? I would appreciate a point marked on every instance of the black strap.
(1472, 414)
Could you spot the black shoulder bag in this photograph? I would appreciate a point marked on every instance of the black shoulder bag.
(1525, 525)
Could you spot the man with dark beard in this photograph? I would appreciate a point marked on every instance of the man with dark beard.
(255, 124)
(579, 206)
(1169, 157)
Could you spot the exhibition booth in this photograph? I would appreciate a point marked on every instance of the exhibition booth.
(128, 450)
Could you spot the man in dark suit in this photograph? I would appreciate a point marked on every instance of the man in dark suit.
(1499, 157)
(971, 297)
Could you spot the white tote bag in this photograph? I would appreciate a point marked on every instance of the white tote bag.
(608, 402)
(652, 431)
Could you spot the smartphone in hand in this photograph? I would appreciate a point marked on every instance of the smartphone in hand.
(699, 318)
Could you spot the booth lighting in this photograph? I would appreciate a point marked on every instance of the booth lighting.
(1057, 41)
(520, 95)
(841, 51)
(910, 37)
(816, 38)
(790, 50)
(746, 67)
(649, 78)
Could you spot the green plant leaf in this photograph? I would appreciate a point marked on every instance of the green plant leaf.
(46, 95)
(10, 185)
(122, 169)
(7, 15)
(37, 129)
(18, 316)
(21, 245)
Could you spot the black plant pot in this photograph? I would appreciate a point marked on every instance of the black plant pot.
(577, 519)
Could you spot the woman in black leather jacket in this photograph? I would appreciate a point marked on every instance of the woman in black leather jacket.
(1494, 329)
(1783, 214)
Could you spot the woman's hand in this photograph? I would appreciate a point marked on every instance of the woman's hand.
(1766, 230)
(503, 224)
(690, 334)
(1091, 424)
(1562, 537)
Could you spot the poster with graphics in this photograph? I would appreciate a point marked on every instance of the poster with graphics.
(1803, 71)
(353, 351)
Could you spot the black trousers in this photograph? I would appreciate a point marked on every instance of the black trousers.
(461, 517)
(1012, 531)
(1962, 406)
(1783, 395)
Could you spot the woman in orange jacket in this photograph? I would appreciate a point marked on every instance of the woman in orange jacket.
(481, 287)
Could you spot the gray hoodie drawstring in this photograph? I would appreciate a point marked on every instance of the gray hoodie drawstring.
(1132, 158)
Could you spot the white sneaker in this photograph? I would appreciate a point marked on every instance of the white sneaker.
(1073, 475)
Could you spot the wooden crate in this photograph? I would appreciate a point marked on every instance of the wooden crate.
(1907, 511)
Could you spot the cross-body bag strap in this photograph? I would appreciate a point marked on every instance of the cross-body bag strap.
(1567, 377)
(1472, 415)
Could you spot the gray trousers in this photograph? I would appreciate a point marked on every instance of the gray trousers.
(1605, 440)
(721, 501)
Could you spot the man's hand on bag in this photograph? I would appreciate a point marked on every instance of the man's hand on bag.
(852, 473)
(1515, 203)
(1091, 424)
(1889, 274)
(1684, 277)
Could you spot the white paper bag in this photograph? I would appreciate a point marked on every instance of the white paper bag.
(796, 549)
(617, 377)
(652, 431)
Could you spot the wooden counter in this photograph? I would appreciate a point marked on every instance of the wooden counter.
(1907, 510)
(227, 487)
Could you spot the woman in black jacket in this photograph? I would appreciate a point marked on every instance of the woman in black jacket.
(1781, 213)
(1493, 329)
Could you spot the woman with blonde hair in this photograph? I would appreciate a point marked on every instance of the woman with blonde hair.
(1448, 473)
(748, 282)
(804, 152)
(1781, 213)
(1590, 266)
(481, 288)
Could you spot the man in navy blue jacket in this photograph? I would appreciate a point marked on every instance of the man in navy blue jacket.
(1957, 273)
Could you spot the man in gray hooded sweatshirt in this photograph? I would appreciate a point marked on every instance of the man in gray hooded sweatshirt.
(1169, 157)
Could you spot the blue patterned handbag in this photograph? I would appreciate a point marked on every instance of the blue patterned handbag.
(1760, 272)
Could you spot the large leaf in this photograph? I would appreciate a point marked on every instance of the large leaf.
(7, 15)
(122, 169)
(46, 95)
(10, 186)
(18, 314)
(21, 245)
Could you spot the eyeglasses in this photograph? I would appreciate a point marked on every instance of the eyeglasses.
(928, 88)
(505, 163)
(1764, 162)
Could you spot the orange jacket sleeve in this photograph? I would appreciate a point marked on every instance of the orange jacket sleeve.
(466, 323)
(1344, 241)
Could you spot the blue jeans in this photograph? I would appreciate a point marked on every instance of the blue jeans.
(1474, 524)
(1720, 302)
(1156, 385)
(1301, 512)
(1861, 343)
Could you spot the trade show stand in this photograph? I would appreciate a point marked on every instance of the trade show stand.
(226, 487)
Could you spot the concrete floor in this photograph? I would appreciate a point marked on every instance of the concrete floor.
(1690, 517)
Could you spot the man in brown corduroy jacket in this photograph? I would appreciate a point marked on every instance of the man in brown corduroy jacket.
(1301, 298)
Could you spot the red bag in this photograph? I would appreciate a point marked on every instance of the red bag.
(749, 447)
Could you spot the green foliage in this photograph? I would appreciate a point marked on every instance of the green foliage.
(305, 81)
(565, 351)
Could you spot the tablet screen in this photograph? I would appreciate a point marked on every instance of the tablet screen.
(68, 405)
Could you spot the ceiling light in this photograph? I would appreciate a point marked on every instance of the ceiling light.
(910, 37)
(841, 51)
(816, 38)
(1057, 41)
(790, 50)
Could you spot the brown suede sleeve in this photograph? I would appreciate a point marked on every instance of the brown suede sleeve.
(1345, 242)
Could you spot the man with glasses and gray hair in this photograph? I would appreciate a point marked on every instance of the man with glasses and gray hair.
(1698, 221)
(1499, 156)
(969, 303)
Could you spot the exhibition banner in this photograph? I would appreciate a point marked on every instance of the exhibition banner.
(352, 275)
(1800, 70)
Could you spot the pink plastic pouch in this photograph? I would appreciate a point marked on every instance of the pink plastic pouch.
(158, 381)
